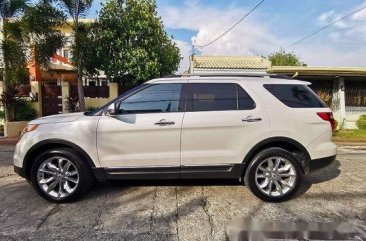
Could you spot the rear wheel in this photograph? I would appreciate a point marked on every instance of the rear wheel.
(274, 175)
(60, 175)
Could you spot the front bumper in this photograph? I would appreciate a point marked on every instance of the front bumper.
(317, 164)
(20, 171)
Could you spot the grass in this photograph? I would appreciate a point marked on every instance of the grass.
(356, 135)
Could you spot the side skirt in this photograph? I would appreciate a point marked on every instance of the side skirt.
(234, 171)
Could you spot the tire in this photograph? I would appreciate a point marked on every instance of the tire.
(65, 184)
(273, 185)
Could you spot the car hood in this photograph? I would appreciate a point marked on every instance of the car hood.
(58, 118)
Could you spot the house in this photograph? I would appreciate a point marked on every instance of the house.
(344, 86)
(51, 87)
(344, 89)
(231, 64)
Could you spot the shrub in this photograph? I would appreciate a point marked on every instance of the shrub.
(327, 98)
(2, 115)
(361, 122)
(92, 108)
(336, 124)
(23, 111)
(72, 103)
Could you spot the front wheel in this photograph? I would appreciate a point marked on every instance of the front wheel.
(60, 175)
(274, 175)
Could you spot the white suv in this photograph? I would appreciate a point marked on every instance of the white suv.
(267, 132)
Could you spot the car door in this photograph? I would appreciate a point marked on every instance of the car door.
(145, 131)
(222, 122)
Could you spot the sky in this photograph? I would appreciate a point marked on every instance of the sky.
(274, 25)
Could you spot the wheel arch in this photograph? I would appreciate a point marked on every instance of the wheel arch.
(285, 143)
(45, 145)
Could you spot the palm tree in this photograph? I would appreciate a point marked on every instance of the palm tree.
(77, 9)
(9, 9)
(26, 29)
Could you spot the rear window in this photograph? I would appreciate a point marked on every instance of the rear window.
(295, 96)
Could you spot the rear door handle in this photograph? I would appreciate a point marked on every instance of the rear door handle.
(164, 122)
(251, 119)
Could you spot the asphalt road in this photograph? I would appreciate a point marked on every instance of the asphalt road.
(178, 210)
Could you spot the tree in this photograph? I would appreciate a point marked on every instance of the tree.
(283, 58)
(86, 47)
(29, 37)
(38, 29)
(10, 9)
(76, 9)
(132, 44)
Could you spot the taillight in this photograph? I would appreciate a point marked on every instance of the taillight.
(327, 116)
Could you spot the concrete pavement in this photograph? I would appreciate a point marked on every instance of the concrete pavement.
(177, 210)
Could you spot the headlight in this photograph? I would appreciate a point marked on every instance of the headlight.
(29, 128)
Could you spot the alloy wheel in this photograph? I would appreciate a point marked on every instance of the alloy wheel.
(275, 176)
(58, 177)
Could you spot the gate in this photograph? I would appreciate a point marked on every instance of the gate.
(51, 99)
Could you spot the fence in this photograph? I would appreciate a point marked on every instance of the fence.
(92, 91)
(324, 88)
(355, 97)
(23, 91)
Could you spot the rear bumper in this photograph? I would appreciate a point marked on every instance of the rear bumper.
(317, 164)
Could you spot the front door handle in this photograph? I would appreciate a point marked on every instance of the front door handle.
(251, 119)
(164, 122)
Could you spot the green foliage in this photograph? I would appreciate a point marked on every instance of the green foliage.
(72, 103)
(283, 58)
(23, 111)
(92, 108)
(336, 125)
(15, 62)
(352, 135)
(26, 28)
(75, 8)
(2, 115)
(361, 122)
(83, 50)
(38, 24)
(11, 8)
(132, 44)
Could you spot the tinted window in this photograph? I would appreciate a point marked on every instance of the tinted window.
(217, 97)
(154, 99)
(295, 96)
(244, 100)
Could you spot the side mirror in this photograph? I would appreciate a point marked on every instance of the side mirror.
(111, 110)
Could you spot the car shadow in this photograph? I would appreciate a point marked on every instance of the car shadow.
(321, 175)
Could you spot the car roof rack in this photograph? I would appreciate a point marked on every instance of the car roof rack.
(249, 74)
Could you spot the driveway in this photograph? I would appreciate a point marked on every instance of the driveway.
(178, 210)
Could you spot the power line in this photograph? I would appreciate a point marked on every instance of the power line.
(325, 27)
(231, 28)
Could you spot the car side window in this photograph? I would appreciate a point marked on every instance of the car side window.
(295, 95)
(157, 98)
(217, 97)
(245, 102)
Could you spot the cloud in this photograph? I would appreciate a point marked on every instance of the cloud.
(341, 45)
(248, 38)
(323, 55)
(360, 15)
(330, 17)
(185, 52)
